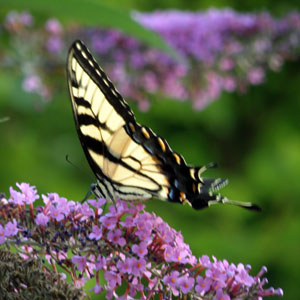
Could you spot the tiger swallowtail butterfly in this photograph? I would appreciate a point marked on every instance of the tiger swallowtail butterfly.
(130, 161)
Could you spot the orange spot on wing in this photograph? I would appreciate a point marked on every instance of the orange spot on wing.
(162, 144)
(194, 187)
(177, 157)
(182, 196)
(145, 133)
(131, 126)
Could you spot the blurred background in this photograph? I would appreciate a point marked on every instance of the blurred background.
(234, 100)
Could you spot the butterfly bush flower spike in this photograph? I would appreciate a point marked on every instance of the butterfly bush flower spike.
(220, 50)
(133, 265)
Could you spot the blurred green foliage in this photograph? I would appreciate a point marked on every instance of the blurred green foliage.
(255, 138)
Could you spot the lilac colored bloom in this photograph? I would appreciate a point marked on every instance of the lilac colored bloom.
(118, 208)
(185, 284)
(144, 234)
(203, 284)
(16, 197)
(11, 228)
(138, 266)
(220, 295)
(230, 268)
(96, 233)
(100, 262)
(140, 250)
(113, 279)
(238, 47)
(164, 265)
(32, 83)
(53, 26)
(97, 203)
(54, 44)
(243, 276)
(144, 224)
(168, 253)
(41, 219)
(27, 195)
(80, 260)
(150, 82)
(29, 192)
(13, 19)
(134, 288)
(97, 289)
(80, 282)
(52, 198)
(86, 211)
(111, 294)
(256, 75)
(116, 237)
(108, 222)
(171, 280)
(2, 235)
(104, 43)
(205, 261)
(56, 213)
(229, 83)
(125, 266)
(143, 105)
(122, 207)
(26, 18)
(218, 276)
(226, 64)
(63, 205)
(129, 222)
(165, 232)
(144, 228)
(137, 60)
(179, 255)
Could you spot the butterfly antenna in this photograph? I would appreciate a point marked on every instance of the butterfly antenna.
(91, 189)
(78, 168)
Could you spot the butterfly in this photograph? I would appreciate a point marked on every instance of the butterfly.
(130, 161)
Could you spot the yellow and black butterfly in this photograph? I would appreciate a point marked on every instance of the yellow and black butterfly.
(129, 160)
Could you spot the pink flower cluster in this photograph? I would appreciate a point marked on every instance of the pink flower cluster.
(221, 50)
(140, 255)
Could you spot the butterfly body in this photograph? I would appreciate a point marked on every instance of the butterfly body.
(130, 161)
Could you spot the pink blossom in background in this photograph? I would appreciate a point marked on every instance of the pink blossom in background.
(54, 27)
(218, 50)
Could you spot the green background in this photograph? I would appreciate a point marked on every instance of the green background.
(254, 137)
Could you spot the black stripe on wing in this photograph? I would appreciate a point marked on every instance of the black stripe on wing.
(89, 120)
(83, 56)
(99, 147)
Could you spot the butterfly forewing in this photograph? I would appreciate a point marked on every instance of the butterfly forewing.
(100, 121)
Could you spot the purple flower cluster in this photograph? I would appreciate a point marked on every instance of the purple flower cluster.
(14, 20)
(226, 50)
(140, 255)
(221, 50)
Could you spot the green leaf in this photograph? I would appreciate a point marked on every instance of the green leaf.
(91, 12)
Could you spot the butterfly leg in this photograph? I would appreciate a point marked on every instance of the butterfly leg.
(90, 191)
